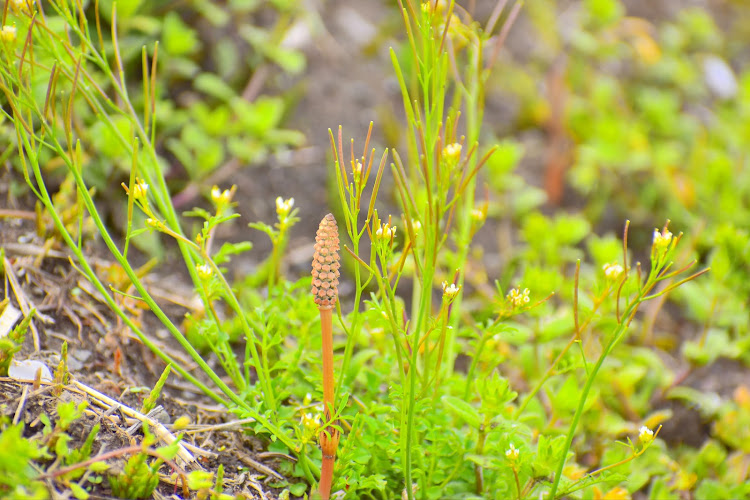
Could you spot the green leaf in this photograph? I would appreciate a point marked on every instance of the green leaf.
(200, 480)
(214, 86)
(178, 38)
(229, 249)
(463, 410)
(98, 467)
(78, 491)
(298, 489)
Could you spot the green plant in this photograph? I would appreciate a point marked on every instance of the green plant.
(325, 273)
(11, 344)
(43, 126)
(150, 402)
(447, 387)
(17, 476)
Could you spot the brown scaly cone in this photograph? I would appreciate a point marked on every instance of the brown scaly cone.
(325, 264)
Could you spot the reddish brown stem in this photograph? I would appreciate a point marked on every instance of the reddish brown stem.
(325, 273)
(326, 327)
(329, 438)
(326, 476)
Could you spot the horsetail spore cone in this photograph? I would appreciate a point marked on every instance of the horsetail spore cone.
(325, 265)
(325, 273)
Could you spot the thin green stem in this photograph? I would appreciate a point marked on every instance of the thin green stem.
(615, 337)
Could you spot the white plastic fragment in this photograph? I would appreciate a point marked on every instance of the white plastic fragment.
(8, 320)
(26, 370)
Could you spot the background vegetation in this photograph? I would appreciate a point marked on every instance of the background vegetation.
(525, 221)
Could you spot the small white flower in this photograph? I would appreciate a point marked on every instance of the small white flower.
(478, 215)
(221, 198)
(21, 5)
(283, 207)
(517, 298)
(452, 152)
(662, 239)
(612, 271)
(450, 291)
(645, 435)
(8, 34)
(204, 271)
(357, 170)
(153, 223)
(512, 453)
(309, 421)
(140, 189)
(386, 232)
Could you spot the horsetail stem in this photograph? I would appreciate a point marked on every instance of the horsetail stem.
(325, 273)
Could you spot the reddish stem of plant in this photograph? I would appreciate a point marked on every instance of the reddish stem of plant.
(325, 273)
(326, 327)
(326, 477)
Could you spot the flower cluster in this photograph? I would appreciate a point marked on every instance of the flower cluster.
(8, 34)
(512, 453)
(662, 239)
(452, 152)
(140, 190)
(283, 207)
(645, 435)
(22, 5)
(612, 271)
(450, 291)
(222, 199)
(386, 232)
(310, 422)
(479, 215)
(518, 298)
(204, 271)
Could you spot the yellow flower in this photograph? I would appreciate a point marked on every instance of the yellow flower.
(204, 271)
(22, 5)
(479, 214)
(612, 271)
(221, 198)
(283, 207)
(452, 153)
(450, 291)
(140, 189)
(309, 421)
(8, 34)
(645, 435)
(662, 239)
(574, 471)
(518, 298)
(386, 232)
(616, 493)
